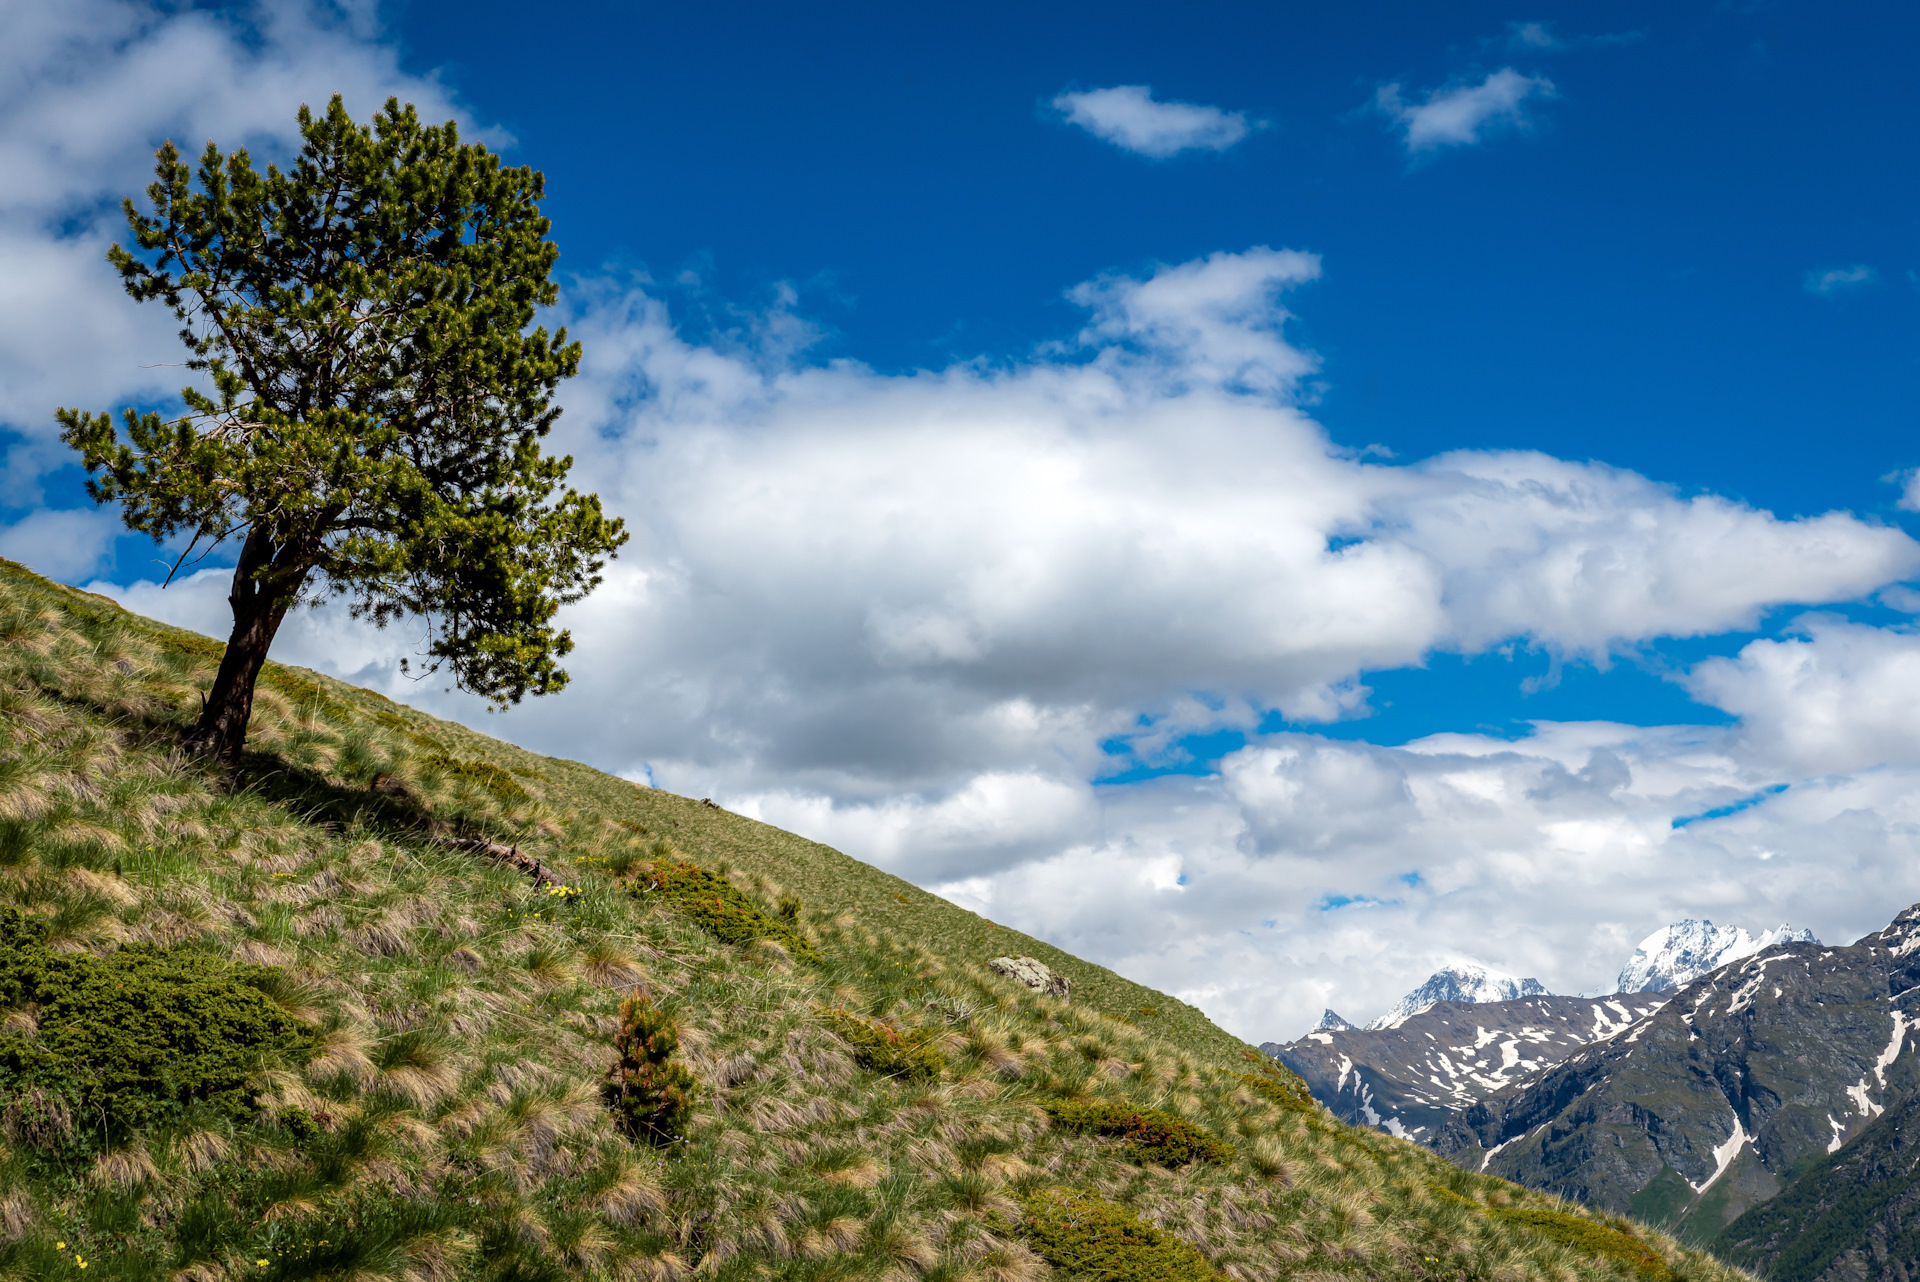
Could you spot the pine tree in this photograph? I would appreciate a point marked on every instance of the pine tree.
(652, 1097)
(377, 401)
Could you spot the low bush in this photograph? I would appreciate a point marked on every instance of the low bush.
(650, 1095)
(133, 1037)
(883, 1048)
(717, 906)
(489, 776)
(1284, 1094)
(1087, 1236)
(1150, 1135)
(1589, 1238)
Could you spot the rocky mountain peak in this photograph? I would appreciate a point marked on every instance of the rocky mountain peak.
(1463, 983)
(1674, 956)
(1331, 1022)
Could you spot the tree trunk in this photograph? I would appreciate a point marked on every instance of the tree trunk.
(260, 601)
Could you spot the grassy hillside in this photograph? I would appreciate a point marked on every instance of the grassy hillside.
(303, 1024)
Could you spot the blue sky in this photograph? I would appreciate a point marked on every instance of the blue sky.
(1251, 493)
(1623, 279)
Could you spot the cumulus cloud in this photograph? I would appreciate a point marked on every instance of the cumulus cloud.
(1831, 698)
(1461, 114)
(1909, 482)
(1128, 117)
(914, 615)
(1841, 280)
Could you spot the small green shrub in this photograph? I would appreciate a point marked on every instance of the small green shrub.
(1087, 1236)
(652, 1097)
(134, 1037)
(789, 908)
(1275, 1091)
(717, 906)
(489, 776)
(1150, 1135)
(1589, 1238)
(883, 1048)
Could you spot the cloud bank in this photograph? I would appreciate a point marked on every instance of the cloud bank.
(1128, 117)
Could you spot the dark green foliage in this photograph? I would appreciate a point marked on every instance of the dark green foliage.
(1284, 1094)
(883, 1048)
(789, 908)
(131, 1038)
(717, 905)
(1589, 1238)
(378, 397)
(652, 1097)
(1150, 1134)
(489, 776)
(1087, 1236)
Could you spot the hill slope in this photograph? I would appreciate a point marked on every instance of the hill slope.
(350, 1014)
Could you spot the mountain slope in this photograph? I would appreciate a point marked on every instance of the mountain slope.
(392, 956)
(1853, 1216)
(1739, 1082)
(1409, 1080)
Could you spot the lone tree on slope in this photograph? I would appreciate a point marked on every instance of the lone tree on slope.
(378, 403)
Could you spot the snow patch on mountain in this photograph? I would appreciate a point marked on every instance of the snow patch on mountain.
(1674, 956)
(1330, 1022)
(1464, 983)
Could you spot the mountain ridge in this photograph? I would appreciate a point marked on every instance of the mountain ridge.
(1723, 1096)
(1409, 1080)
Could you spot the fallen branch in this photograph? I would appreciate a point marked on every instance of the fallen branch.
(511, 856)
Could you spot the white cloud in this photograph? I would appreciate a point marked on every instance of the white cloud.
(1841, 280)
(906, 614)
(62, 545)
(1460, 115)
(1129, 118)
(1832, 698)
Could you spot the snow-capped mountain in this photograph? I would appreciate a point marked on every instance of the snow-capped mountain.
(1466, 983)
(1674, 956)
(1330, 1022)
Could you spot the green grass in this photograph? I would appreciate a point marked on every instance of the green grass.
(445, 1113)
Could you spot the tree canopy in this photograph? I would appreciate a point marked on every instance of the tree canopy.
(375, 401)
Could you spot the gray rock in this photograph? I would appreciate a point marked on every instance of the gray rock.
(1036, 975)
